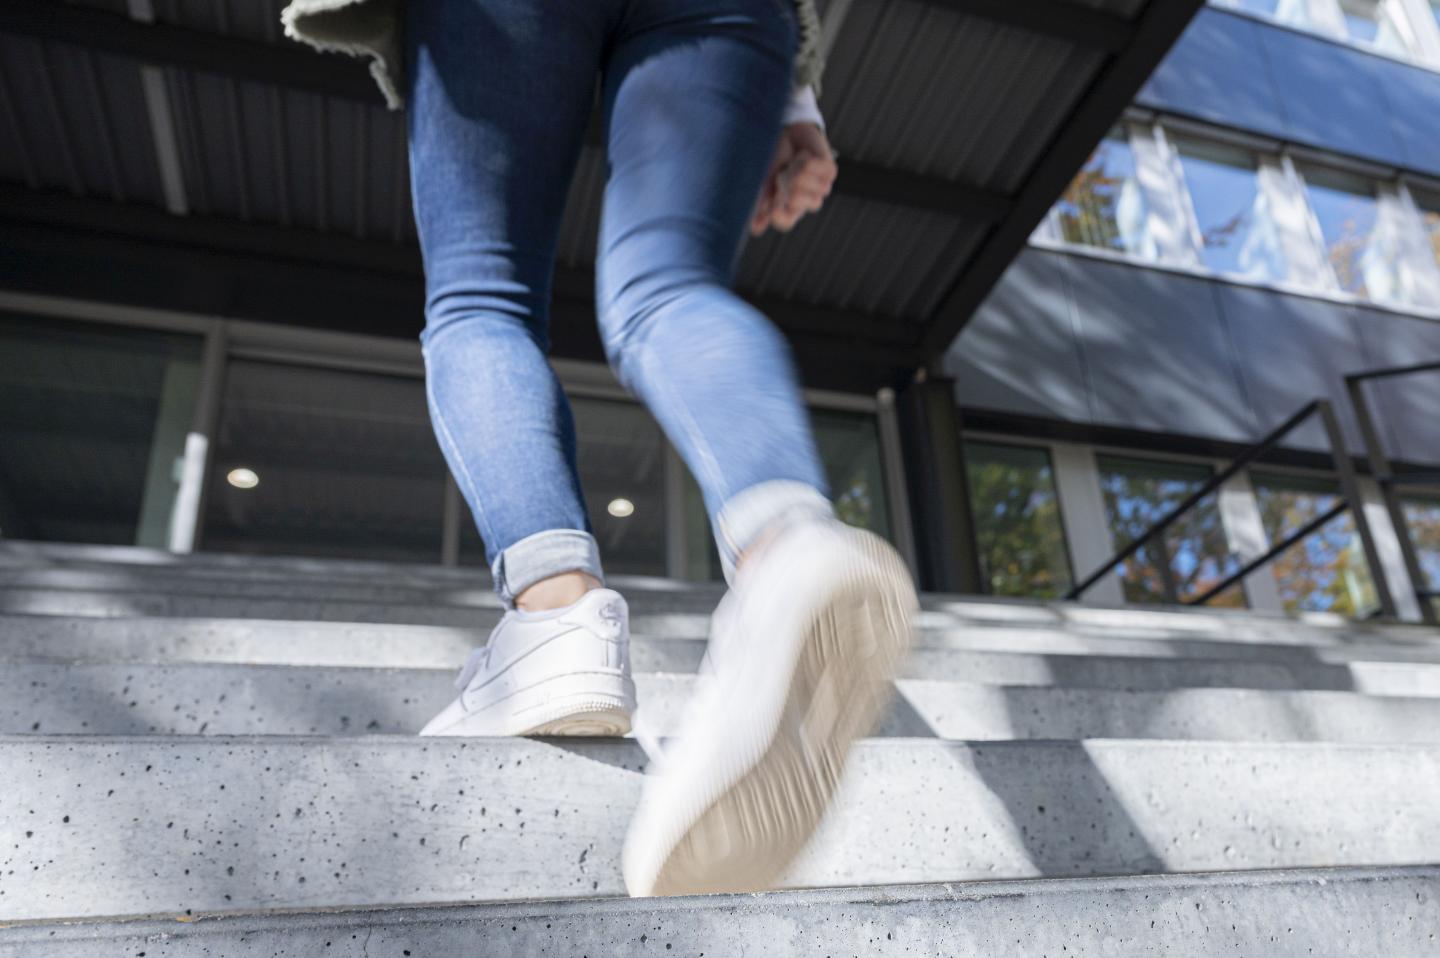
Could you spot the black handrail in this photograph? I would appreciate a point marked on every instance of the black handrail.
(1388, 480)
(1349, 499)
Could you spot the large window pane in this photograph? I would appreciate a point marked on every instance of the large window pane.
(323, 462)
(1325, 571)
(849, 446)
(93, 419)
(1346, 209)
(1429, 203)
(1238, 233)
(621, 456)
(1374, 23)
(1017, 519)
(1139, 492)
(1104, 206)
(1422, 518)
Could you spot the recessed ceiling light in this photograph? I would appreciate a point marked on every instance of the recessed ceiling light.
(242, 478)
(620, 508)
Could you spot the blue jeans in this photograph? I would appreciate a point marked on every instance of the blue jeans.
(692, 94)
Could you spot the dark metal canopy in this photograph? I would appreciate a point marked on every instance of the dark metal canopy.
(198, 160)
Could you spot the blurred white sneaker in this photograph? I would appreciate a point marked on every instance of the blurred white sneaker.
(801, 661)
(561, 672)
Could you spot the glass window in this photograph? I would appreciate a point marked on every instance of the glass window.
(1422, 518)
(324, 462)
(620, 453)
(1374, 23)
(1238, 234)
(849, 446)
(1346, 209)
(1429, 203)
(1139, 492)
(1017, 520)
(1104, 206)
(1325, 571)
(93, 420)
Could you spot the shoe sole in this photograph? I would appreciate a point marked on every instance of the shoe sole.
(744, 832)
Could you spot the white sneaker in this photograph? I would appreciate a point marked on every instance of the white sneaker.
(564, 672)
(801, 663)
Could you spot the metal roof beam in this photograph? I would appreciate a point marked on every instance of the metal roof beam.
(877, 338)
(300, 68)
(1062, 19)
(1114, 87)
(161, 43)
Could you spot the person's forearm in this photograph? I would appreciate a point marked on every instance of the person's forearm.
(803, 108)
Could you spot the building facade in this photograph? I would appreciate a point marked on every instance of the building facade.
(1263, 221)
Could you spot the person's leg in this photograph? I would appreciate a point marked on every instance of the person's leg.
(804, 646)
(500, 92)
(693, 96)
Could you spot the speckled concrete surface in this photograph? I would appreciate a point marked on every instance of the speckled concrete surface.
(1393, 913)
(361, 645)
(67, 698)
(127, 826)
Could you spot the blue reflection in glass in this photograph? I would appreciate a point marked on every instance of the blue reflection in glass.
(1238, 234)
(1346, 210)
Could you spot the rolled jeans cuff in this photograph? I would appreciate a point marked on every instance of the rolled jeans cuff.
(541, 556)
(750, 511)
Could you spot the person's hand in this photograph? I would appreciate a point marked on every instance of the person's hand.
(800, 178)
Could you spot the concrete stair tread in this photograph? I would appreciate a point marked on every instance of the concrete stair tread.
(67, 698)
(170, 823)
(1275, 913)
(79, 636)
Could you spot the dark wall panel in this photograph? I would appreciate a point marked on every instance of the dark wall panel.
(1213, 74)
(1019, 354)
(1408, 407)
(1237, 71)
(1156, 352)
(1293, 350)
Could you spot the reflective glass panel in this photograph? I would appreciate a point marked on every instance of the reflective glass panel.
(1237, 232)
(324, 462)
(621, 456)
(1104, 206)
(1422, 518)
(1429, 204)
(1139, 492)
(849, 445)
(1017, 519)
(1346, 209)
(93, 420)
(1373, 23)
(1325, 571)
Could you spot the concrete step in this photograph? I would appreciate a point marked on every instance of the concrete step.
(33, 579)
(115, 826)
(142, 699)
(937, 628)
(361, 645)
(1280, 914)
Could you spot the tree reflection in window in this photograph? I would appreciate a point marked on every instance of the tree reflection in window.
(1103, 206)
(1138, 493)
(1422, 518)
(1325, 571)
(1017, 520)
(1347, 210)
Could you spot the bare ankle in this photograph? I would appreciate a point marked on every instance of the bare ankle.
(556, 591)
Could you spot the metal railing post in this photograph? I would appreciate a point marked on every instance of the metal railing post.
(1380, 470)
(1350, 489)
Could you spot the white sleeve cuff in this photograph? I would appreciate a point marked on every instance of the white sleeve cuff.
(803, 108)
